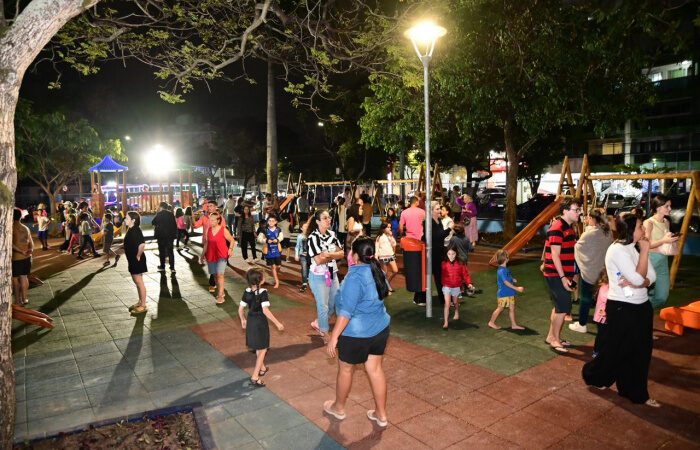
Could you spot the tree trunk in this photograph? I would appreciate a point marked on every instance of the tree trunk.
(509, 217)
(19, 45)
(271, 165)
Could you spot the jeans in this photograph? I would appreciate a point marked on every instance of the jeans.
(304, 261)
(231, 222)
(586, 298)
(86, 241)
(165, 249)
(325, 298)
(183, 235)
(663, 280)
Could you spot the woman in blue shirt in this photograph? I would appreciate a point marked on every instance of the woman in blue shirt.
(361, 331)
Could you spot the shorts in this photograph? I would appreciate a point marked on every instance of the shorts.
(42, 234)
(506, 302)
(217, 267)
(277, 261)
(559, 295)
(21, 267)
(286, 243)
(454, 292)
(386, 259)
(354, 350)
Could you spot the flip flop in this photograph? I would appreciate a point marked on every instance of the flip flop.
(327, 408)
(564, 343)
(371, 416)
(561, 349)
(263, 372)
(257, 383)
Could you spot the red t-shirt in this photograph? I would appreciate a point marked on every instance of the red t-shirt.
(565, 236)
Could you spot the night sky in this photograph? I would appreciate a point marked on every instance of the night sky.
(121, 101)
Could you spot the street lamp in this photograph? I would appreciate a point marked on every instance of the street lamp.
(423, 36)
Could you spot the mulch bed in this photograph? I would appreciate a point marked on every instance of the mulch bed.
(174, 431)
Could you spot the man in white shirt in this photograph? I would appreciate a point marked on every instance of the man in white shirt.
(229, 207)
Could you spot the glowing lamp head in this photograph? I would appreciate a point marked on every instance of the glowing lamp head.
(159, 160)
(424, 35)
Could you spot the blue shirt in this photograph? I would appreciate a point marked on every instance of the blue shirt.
(502, 276)
(359, 301)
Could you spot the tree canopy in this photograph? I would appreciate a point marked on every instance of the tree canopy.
(512, 74)
(53, 149)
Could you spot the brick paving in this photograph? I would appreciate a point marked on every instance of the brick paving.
(100, 362)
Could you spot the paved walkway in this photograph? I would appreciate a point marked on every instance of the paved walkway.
(99, 362)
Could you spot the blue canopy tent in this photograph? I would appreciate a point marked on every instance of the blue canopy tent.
(106, 165)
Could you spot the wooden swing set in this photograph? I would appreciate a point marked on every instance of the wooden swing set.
(586, 193)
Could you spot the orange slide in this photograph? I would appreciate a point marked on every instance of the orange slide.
(285, 202)
(530, 230)
(677, 318)
(31, 316)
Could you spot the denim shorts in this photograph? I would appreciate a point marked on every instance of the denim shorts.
(217, 267)
(454, 292)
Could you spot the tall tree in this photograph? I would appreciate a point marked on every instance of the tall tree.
(52, 150)
(22, 38)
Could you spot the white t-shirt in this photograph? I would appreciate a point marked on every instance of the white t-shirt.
(43, 223)
(623, 259)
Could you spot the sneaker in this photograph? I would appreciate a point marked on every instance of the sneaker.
(302, 288)
(79, 257)
(172, 270)
(419, 303)
(161, 269)
(96, 255)
(577, 327)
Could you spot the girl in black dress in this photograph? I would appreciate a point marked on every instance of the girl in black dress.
(257, 334)
(134, 245)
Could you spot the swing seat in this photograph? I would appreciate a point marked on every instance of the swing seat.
(677, 318)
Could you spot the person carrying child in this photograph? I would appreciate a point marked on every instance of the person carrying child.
(599, 316)
(506, 292)
(454, 273)
(108, 239)
(301, 254)
(386, 253)
(257, 330)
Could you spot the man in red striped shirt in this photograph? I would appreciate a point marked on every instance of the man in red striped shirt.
(559, 269)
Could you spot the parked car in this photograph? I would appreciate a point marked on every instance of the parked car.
(613, 202)
(530, 209)
(679, 203)
(482, 193)
(494, 200)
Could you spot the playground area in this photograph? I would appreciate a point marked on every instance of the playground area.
(469, 387)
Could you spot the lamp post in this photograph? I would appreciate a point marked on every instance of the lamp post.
(423, 36)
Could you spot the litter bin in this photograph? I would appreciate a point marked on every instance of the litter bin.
(414, 264)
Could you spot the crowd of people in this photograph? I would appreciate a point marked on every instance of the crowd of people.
(611, 267)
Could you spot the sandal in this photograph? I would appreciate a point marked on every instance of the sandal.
(256, 383)
(220, 300)
(371, 416)
(139, 310)
(559, 349)
(327, 408)
(653, 403)
(132, 307)
(263, 372)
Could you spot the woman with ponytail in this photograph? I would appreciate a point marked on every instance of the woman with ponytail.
(361, 331)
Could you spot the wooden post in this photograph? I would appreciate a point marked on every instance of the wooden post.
(190, 196)
(124, 200)
(171, 198)
(693, 200)
(564, 167)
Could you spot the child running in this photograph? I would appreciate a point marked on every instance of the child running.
(274, 237)
(506, 292)
(386, 253)
(301, 254)
(599, 316)
(454, 274)
(257, 330)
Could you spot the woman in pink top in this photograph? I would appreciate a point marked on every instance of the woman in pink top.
(217, 251)
(469, 215)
